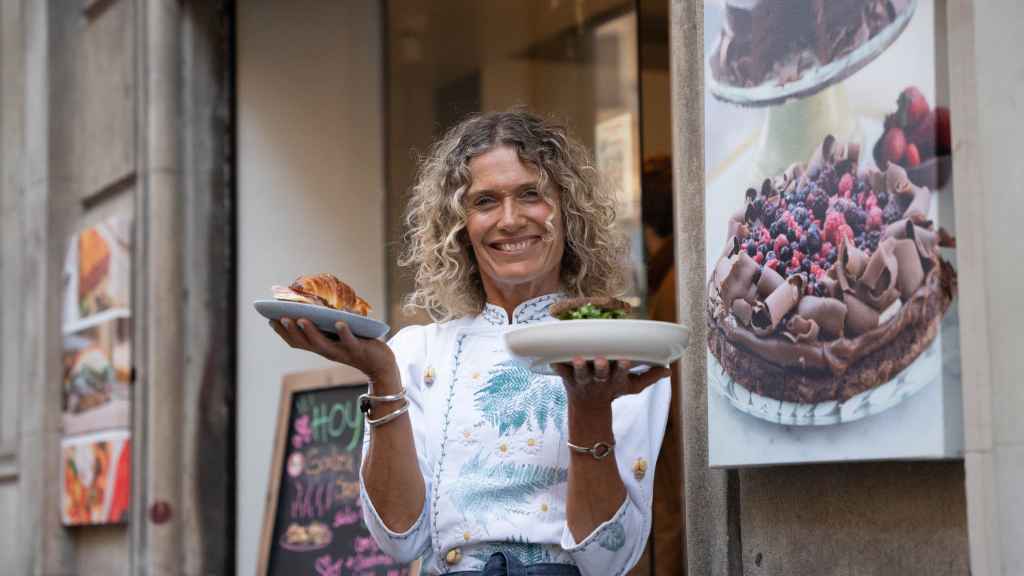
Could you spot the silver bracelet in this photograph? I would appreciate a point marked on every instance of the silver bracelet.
(366, 400)
(388, 417)
(599, 451)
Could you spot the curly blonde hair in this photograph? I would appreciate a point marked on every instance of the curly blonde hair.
(448, 282)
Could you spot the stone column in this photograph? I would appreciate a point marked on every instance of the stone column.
(158, 519)
(712, 531)
(986, 95)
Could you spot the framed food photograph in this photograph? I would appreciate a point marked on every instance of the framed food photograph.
(831, 309)
(96, 320)
(96, 478)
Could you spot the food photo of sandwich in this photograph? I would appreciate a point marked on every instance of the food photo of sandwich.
(325, 300)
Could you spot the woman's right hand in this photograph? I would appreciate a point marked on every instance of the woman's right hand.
(373, 357)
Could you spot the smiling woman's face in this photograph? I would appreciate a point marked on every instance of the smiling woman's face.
(506, 222)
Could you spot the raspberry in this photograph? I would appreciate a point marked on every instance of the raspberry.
(874, 218)
(826, 248)
(846, 185)
(780, 241)
(773, 264)
(817, 271)
(759, 257)
(794, 262)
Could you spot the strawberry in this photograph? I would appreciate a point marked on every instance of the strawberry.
(913, 107)
(912, 158)
(943, 136)
(894, 144)
(923, 135)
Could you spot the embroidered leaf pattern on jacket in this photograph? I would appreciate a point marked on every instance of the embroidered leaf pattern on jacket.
(515, 397)
(482, 486)
(613, 537)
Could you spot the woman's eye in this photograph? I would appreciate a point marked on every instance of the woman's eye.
(531, 194)
(482, 201)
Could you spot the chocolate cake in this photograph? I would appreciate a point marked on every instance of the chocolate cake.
(831, 281)
(779, 39)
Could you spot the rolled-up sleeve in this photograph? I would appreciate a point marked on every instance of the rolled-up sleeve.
(409, 346)
(616, 545)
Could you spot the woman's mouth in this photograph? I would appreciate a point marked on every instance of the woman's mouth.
(515, 245)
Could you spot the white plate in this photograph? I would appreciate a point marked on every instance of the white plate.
(641, 341)
(324, 318)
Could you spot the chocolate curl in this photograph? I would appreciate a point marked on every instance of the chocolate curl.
(877, 300)
(737, 225)
(769, 281)
(925, 240)
(854, 259)
(722, 270)
(911, 272)
(901, 228)
(922, 202)
(860, 317)
(732, 246)
(882, 270)
(800, 329)
(828, 282)
(769, 313)
(742, 310)
(741, 276)
(876, 180)
(896, 180)
(822, 154)
(828, 313)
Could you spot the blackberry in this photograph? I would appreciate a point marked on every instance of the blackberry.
(791, 235)
(892, 212)
(819, 205)
(857, 218)
(805, 265)
(751, 248)
(785, 253)
(883, 199)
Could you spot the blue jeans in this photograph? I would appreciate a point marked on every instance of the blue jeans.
(505, 564)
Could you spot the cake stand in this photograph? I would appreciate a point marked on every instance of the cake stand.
(802, 112)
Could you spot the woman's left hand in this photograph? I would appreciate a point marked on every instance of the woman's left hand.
(595, 384)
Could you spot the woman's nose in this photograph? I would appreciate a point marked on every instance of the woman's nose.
(511, 217)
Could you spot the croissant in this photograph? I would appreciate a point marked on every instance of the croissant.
(323, 290)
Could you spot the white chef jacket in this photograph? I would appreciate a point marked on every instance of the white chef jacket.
(491, 441)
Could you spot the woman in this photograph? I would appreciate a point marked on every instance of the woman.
(472, 462)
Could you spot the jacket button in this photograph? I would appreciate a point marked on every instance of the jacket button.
(454, 556)
(639, 468)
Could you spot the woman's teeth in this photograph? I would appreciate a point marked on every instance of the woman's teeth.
(514, 246)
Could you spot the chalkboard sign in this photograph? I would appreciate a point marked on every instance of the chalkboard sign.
(313, 520)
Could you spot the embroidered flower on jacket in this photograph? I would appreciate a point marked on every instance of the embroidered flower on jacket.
(468, 436)
(504, 448)
(531, 444)
(547, 508)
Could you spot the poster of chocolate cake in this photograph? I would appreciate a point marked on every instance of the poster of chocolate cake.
(831, 312)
